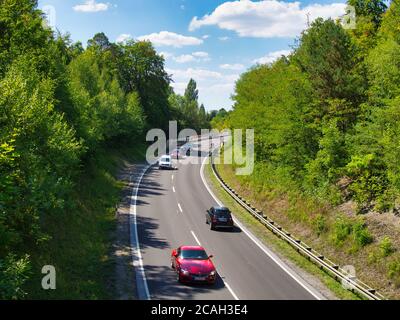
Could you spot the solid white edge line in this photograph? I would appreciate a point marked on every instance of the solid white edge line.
(258, 243)
(231, 291)
(195, 238)
(180, 208)
(141, 282)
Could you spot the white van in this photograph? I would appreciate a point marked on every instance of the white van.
(165, 162)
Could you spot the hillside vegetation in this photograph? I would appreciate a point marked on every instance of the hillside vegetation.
(67, 115)
(327, 125)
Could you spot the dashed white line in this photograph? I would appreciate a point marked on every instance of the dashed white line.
(195, 238)
(180, 208)
(172, 177)
(230, 290)
(173, 189)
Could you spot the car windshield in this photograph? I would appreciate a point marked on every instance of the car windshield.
(165, 159)
(194, 254)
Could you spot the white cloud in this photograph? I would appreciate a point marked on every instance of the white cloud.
(122, 38)
(215, 88)
(236, 66)
(166, 38)
(201, 55)
(91, 6)
(272, 56)
(267, 18)
(206, 36)
(223, 38)
(194, 73)
(198, 56)
(184, 58)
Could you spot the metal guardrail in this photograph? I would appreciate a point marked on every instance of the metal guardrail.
(334, 270)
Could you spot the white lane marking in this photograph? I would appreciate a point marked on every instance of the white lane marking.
(180, 208)
(172, 177)
(231, 291)
(195, 238)
(269, 253)
(142, 287)
(173, 189)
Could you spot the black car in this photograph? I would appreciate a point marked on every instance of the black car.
(219, 217)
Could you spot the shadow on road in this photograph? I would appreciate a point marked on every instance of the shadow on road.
(235, 229)
(148, 238)
(164, 285)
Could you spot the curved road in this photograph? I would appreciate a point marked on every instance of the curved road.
(170, 211)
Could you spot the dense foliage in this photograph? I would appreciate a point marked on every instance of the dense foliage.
(59, 105)
(326, 118)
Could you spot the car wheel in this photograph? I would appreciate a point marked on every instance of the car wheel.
(212, 227)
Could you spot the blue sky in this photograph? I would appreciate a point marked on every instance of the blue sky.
(212, 41)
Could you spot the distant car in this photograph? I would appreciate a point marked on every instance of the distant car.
(192, 264)
(219, 217)
(165, 162)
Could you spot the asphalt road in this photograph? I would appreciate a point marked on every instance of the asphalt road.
(170, 212)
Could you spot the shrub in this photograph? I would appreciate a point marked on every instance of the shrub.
(369, 179)
(13, 274)
(361, 235)
(373, 257)
(319, 224)
(394, 272)
(341, 230)
(386, 247)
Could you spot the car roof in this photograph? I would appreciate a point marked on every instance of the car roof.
(192, 248)
(222, 208)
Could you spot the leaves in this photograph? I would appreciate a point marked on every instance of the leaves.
(330, 111)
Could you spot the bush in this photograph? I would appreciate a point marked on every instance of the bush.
(386, 247)
(341, 230)
(361, 235)
(13, 274)
(319, 224)
(394, 272)
(369, 179)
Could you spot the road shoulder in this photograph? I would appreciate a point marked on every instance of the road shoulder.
(125, 277)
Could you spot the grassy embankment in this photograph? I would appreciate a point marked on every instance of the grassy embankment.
(81, 236)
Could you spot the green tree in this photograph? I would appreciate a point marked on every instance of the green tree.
(141, 70)
(372, 9)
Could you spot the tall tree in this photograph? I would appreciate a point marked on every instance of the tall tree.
(141, 69)
(191, 92)
(372, 9)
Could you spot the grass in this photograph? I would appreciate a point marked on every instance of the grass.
(81, 236)
(277, 245)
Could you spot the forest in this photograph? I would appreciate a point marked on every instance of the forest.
(63, 108)
(327, 125)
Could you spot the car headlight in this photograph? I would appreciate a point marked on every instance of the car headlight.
(212, 273)
(185, 272)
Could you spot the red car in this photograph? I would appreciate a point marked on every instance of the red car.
(192, 264)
